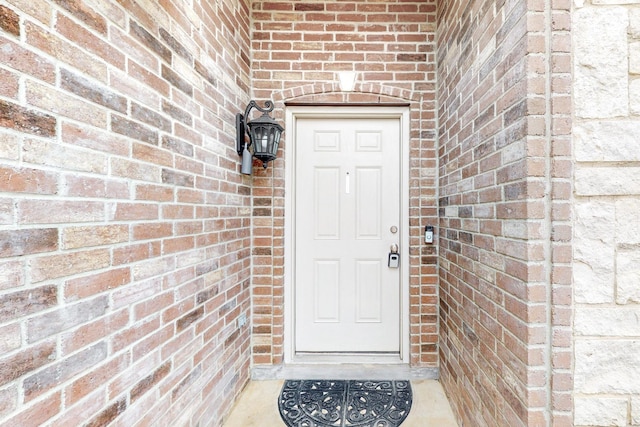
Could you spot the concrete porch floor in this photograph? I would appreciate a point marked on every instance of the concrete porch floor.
(258, 406)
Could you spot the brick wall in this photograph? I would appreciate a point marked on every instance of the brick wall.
(504, 173)
(124, 223)
(298, 49)
(607, 212)
(558, 110)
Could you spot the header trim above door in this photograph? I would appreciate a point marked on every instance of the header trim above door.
(346, 104)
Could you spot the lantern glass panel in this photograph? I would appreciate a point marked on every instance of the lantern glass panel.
(265, 138)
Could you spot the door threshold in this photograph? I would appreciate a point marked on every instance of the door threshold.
(346, 358)
(344, 371)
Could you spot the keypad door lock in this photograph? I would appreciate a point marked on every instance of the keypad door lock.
(394, 257)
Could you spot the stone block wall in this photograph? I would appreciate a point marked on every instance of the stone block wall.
(299, 47)
(606, 140)
(124, 220)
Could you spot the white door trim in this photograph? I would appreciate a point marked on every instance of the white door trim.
(293, 113)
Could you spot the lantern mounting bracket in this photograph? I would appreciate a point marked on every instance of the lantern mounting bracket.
(241, 122)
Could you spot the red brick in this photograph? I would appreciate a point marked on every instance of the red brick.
(153, 306)
(156, 193)
(135, 211)
(150, 41)
(64, 318)
(11, 274)
(48, 211)
(8, 400)
(25, 242)
(84, 88)
(84, 237)
(66, 52)
(151, 342)
(10, 338)
(132, 334)
(56, 266)
(148, 78)
(179, 244)
(134, 130)
(96, 283)
(150, 117)
(94, 331)
(123, 381)
(136, 252)
(178, 212)
(152, 230)
(22, 303)
(96, 378)
(105, 417)
(9, 21)
(9, 84)
(83, 186)
(26, 61)
(134, 50)
(28, 360)
(149, 381)
(78, 413)
(94, 139)
(189, 318)
(85, 14)
(16, 117)
(38, 413)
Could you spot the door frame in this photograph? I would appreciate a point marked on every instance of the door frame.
(293, 113)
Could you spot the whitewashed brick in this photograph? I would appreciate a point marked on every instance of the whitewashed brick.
(10, 146)
(601, 411)
(607, 366)
(628, 220)
(52, 154)
(607, 181)
(594, 249)
(607, 321)
(11, 274)
(628, 275)
(601, 62)
(607, 141)
(516, 229)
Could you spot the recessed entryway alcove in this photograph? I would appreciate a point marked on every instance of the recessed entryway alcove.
(479, 172)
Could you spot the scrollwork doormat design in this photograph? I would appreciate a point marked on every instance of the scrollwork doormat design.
(344, 403)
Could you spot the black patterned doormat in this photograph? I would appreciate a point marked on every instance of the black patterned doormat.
(344, 403)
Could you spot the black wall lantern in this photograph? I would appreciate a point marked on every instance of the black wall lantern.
(264, 136)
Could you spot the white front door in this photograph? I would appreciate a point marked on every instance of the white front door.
(347, 216)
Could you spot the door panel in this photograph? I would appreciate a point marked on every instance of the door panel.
(368, 291)
(327, 291)
(368, 203)
(326, 203)
(347, 200)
